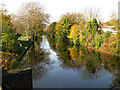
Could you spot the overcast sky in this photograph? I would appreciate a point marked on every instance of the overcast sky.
(58, 7)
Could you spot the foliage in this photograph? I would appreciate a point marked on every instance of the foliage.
(65, 23)
(77, 32)
(8, 60)
(88, 27)
(12, 48)
(32, 19)
(92, 27)
(98, 41)
(51, 30)
(114, 21)
(9, 36)
(86, 60)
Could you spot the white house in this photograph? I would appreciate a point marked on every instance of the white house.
(110, 29)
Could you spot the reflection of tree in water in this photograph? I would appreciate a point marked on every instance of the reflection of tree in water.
(116, 73)
(89, 62)
(38, 60)
(67, 62)
(111, 64)
(116, 81)
(86, 75)
(93, 65)
(40, 71)
(77, 58)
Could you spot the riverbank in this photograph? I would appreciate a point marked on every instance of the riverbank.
(11, 60)
(88, 33)
(17, 66)
(100, 50)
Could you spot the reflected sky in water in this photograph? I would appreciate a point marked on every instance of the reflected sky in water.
(44, 45)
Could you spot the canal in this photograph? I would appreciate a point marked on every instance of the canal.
(70, 67)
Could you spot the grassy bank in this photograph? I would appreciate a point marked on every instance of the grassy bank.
(12, 61)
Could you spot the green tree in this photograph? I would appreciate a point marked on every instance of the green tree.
(88, 27)
(94, 25)
(9, 40)
(9, 36)
(51, 30)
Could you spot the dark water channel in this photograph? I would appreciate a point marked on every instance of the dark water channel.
(56, 67)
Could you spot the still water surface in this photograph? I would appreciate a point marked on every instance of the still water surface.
(70, 68)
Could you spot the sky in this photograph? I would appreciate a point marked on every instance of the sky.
(55, 8)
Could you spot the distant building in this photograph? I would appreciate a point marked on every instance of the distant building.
(109, 28)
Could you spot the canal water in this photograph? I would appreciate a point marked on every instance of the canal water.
(72, 67)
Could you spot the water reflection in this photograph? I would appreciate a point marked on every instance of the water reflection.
(58, 64)
(37, 59)
(89, 64)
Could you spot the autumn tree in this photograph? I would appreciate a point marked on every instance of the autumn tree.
(33, 18)
(77, 32)
(114, 20)
(9, 39)
(66, 22)
(17, 24)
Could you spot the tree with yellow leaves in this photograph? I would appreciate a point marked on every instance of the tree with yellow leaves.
(77, 32)
(65, 23)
